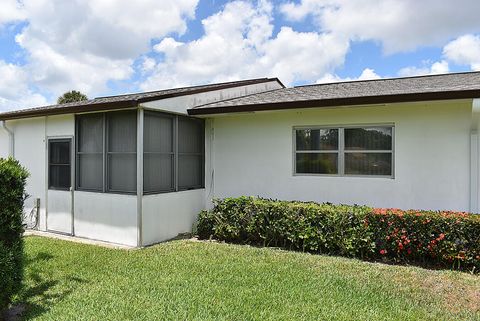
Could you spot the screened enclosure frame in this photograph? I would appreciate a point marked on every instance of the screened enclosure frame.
(175, 152)
(104, 152)
(341, 151)
(193, 132)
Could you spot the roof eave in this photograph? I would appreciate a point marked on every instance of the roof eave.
(124, 103)
(69, 110)
(337, 102)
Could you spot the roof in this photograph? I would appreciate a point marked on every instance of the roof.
(125, 101)
(408, 89)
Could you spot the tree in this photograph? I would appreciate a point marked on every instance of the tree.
(71, 96)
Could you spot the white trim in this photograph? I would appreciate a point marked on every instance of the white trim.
(474, 157)
(140, 120)
(70, 138)
(474, 172)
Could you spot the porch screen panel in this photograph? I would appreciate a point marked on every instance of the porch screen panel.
(90, 136)
(158, 167)
(122, 152)
(191, 146)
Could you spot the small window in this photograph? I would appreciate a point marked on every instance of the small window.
(368, 151)
(363, 151)
(317, 151)
(59, 164)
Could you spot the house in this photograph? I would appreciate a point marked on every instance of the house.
(136, 169)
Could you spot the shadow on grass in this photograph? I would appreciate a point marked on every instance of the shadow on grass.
(40, 294)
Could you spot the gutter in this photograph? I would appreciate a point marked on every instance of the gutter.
(11, 138)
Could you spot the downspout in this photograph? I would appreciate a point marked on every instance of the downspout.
(474, 157)
(11, 138)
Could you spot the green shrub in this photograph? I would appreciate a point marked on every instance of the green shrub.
(429, 237)
(12, 195)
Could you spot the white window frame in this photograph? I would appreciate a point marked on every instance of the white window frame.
(341, 149)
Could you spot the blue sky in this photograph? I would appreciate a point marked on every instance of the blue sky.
(104, 47)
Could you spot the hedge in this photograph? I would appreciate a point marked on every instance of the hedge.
(12, 195)
(440, 238)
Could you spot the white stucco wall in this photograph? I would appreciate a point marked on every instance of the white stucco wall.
(106, 217)
(30, 152)
(253, 156)
(169, 214)
(180, 104)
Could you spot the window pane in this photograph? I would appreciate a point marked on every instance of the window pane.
(379, 138)
(158, 172)
(190, 171)
(59, 152)
(59, 176)
(311, 163)
(317, 139)
(59, 170)
(368, 164)
(122, 172)
(122, 131)
(90, 172)
(158, 133)
(90, 133)
(190, 135)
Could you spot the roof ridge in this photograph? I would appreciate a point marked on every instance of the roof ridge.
(187, 87)
(389, 78)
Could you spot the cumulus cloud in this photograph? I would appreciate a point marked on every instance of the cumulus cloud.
(11, 11)
(84, 44)
(14, 90)
(438, 67)
(367, 74)
(464, 50)
(397, 25)
(239, 43)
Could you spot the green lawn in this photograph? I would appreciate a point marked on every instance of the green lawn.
(190, 280)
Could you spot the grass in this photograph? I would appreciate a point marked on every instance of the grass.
(190, 280)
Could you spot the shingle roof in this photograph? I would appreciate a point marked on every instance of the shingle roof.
(124, 101)
(419, 88)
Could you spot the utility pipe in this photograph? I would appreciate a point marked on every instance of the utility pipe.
(11, 138)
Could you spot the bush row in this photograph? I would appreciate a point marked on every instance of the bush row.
(12, 195)
(447, 239)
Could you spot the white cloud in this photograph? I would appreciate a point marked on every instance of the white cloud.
(439, 67)
(398, 25)
(84, 44)
(148, 64)
(14, 91)
(367, 74)
(464, 50)
(11, 11)
(239, 43)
